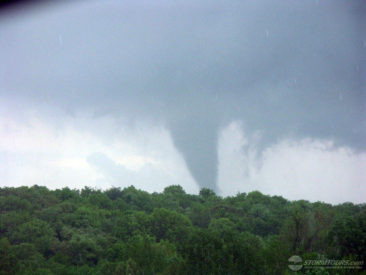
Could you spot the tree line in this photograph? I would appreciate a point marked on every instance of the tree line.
(130, 231)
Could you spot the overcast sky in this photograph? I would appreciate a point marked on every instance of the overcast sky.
(232, 95)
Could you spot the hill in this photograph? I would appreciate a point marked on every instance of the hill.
(130, 231)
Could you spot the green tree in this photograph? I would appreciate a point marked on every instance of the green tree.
(7, 258)
(169, 225)
(38, 233)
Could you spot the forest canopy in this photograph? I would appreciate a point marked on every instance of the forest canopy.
(130, 231)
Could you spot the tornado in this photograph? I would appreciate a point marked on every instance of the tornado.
(196, 140)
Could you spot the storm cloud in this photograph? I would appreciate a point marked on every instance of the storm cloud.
(285, 70)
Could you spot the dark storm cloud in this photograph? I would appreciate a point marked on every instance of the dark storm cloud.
(284, 68)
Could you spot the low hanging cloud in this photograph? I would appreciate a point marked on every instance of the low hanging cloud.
(34, 151)
(86, 151)
(295, 169)
(151, 176)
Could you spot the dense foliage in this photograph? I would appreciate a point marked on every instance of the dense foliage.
(129, 231)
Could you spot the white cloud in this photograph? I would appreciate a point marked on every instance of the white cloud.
(43, 152)
(40, 151)
(305, 169)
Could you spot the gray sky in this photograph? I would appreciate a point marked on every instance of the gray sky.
(230, 95)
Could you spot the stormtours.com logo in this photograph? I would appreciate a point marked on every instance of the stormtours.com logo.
(296, 263)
